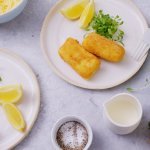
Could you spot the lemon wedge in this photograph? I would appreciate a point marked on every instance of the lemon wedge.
(10, 94)
(74, 11)
(14, 116)
(87, 14)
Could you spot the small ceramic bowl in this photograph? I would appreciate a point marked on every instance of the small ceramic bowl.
(67, 119)
(13, 12)
(123, 128)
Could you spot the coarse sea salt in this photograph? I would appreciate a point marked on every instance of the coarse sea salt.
(72, 136)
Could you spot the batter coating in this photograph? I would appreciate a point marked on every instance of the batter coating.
(83, 62)
(103, 47)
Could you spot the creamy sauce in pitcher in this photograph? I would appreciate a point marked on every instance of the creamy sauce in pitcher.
(123, 112)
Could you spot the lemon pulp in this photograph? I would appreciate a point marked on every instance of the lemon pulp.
(75, 11)
(87, 14)
(14, 116)
(10, 94)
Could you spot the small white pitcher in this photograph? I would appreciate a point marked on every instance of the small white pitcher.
(120, 105)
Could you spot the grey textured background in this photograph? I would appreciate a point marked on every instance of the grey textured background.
(59, 98)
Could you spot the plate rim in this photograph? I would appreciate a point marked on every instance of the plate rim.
(57, 72)
(23, 63)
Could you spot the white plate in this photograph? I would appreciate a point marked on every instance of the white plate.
(14, 70)
(56, 29)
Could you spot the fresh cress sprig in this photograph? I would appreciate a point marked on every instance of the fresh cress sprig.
(107, 26)
(145, 86)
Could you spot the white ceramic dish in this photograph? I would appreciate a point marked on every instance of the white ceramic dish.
(56, 29)
(14, 12)
(71, 118)
(130, 126)
(14, 70)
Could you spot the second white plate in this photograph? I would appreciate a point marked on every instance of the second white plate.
(56, 29)
(13, 70)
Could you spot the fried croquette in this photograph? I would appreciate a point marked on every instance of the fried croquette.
(103, 47)
(83, 62)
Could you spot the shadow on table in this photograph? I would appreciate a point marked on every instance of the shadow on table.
(97, 143)
(141, 136)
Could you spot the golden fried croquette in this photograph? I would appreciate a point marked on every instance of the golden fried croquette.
(83, 62)
(103, 47)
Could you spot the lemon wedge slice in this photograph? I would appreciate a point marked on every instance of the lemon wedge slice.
(74, 11)
(10, 94)
(87, 14)
(14, 116)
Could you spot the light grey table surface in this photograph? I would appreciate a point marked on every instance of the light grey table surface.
(59, 98)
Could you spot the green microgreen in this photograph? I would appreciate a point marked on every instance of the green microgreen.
(146, 85)
(107, 26)
(130, 89)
